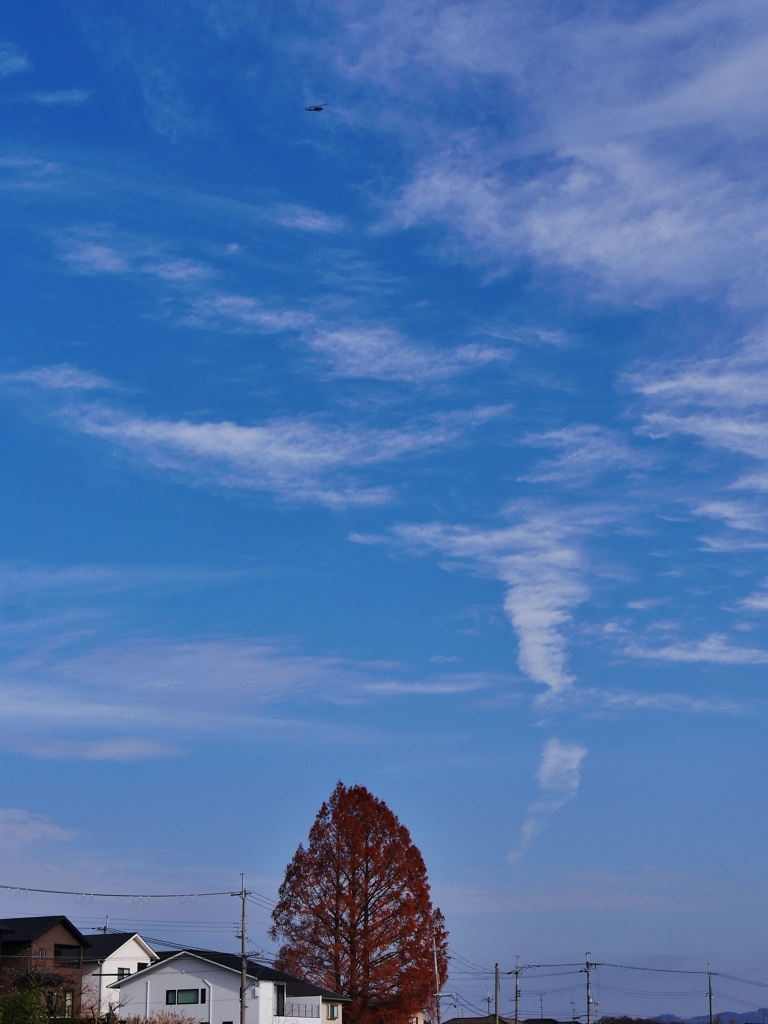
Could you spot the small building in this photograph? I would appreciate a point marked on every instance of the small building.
(111, 957)
(488, 1019)
(49, 952)
(205, 987)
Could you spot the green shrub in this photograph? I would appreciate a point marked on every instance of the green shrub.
(23, 1008)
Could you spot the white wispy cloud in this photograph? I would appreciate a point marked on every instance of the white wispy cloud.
(587, 451)
(359, 350)
(243, 311)
(646, 603)
(639, 226)
(61, 97)
(93, 257)
(716, 648)
(101, 251)
(593, 699)
(297, 459)
(738, 515)
(726, 432)
(304, 218)
(63, 377)
(21, 579)
(138, 699)
(623, 192)
(757, 601)
(373, 352)
(720, 402)
(19, 828)
(12, 60)
(120, 749)
(450, 683)
(540, 561)
(384, 354)
(559, 777)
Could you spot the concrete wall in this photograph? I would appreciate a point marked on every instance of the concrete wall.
(97, 977)
(144, 995)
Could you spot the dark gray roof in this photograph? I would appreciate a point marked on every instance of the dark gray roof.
(490, 1019)
(543, 1020)
(27, 929)
(256, 971)
(103, 946)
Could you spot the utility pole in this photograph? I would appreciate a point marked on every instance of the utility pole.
(489, 999)
(243, 951)
(709, 991)
(587, 967)
(496, 994)
(541, 1005)
(437, 981)
(517, 990)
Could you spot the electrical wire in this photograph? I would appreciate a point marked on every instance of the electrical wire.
(17, 890)
(656, 970)
(744, 981)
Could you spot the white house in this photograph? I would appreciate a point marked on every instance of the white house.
(110, 958)
(205, 987)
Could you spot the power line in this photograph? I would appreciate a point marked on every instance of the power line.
(744, 981)
(472, 976)
(657, 970)
(22, 890)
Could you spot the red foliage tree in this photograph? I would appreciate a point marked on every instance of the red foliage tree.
(355, 912)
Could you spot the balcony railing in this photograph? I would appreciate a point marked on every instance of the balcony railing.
(301, 1010)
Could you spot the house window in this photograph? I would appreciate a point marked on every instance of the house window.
(278, 1000)
(123, 972)
(140, 967)
(69, 1003)
(185, 996)
(41, 955)
(71, 953)
(332, 1011)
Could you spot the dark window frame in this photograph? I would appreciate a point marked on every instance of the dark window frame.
(278, 999)
(191, 996)
(67, 952)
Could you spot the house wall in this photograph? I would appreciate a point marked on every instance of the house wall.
(324, 1013)
(58, 935)
(98, 976)
(144, 995)
(39, 957)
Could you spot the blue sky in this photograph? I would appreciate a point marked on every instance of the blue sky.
(421, 442)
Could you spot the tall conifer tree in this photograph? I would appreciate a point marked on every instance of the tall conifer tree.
(355, 914)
